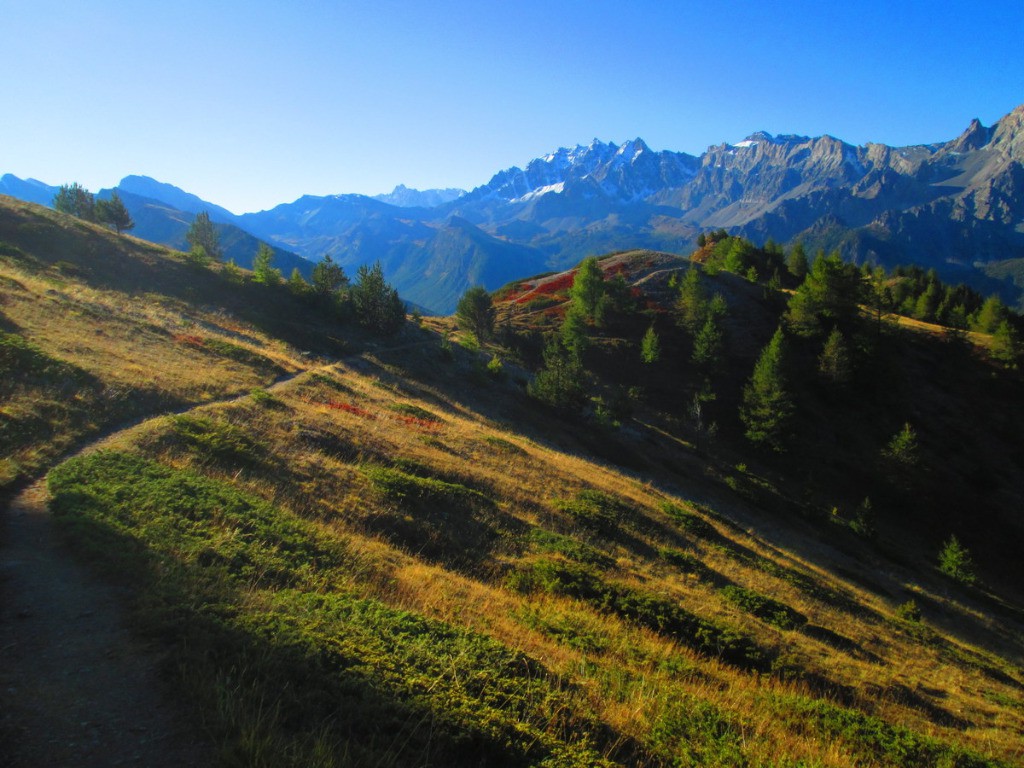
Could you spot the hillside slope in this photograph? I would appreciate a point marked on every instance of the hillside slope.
(401, 558)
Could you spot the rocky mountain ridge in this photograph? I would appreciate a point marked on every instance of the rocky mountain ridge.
(954, 206)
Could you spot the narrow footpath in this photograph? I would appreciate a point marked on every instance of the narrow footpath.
(77, 688)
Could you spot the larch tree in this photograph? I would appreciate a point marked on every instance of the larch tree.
(767, 408)
(588, 291)
(262, 271)
(692, 303)
(834, 361)
(650, 347)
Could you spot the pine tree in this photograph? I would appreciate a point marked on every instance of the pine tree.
(955, 561)
(76, 200)
(574, 332)
(692, 303)
(991, 314)
(767, 407)
(560, 382)
(902, 451)
(796, 262)
(201, 234)
(830, 292)
(1006, 346)
(475, 312)
(262, 271)
(233, 272)
(650, 347)
(834, 361)
(328, 278)
(588, 291)
(113, 213)
(377, 305)
(707, 345)
(297, 283)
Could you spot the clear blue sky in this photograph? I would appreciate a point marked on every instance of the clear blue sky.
(252, 104)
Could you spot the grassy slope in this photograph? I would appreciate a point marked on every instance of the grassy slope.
(399, 561)
(98, 329)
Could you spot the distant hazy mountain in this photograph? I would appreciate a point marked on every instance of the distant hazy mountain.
(404, 197)
(27, 189)
(143, 186)
(952, 205)
(160, 222)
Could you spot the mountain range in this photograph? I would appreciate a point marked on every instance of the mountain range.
(956, 206)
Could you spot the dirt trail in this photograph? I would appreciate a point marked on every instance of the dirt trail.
(76, 687)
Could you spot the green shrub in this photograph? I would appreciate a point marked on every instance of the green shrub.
(408, 409)
(687, 520)
(765, 608)
(188, 517)
(595, 510)
(691, 732)
(642, 608)
(869, 737)
(241, 355)
(574, 549)
(685, 562)
(909, 611)
(217, 440)
(503, 444)
(262, 397)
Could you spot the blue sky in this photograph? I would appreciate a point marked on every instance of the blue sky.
(252, 104)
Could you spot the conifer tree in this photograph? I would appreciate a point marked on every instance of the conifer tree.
(796, 262)
(830, 292)
(650, 347)
(902, 451)
(692, 303)
(475, 312)
(233, 272)
(1006, 346)
(76, 200)
(834, 361)
(113, 213)
(955, 561)
(707, 345)
(767, 407)
(588, 291)
(377, 305)
(574, 332)
(297, 283)
(328, 278)
(201, 234)
(262, 271)
(991, 314)
(560, 382)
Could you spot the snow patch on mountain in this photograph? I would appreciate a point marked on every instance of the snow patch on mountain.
(540, 191)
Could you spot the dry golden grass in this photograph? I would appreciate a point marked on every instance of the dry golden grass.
(867, 658)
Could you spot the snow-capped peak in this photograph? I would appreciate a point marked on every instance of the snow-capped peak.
(754, 139)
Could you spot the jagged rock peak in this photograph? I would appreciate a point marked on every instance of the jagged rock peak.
(975, 137)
